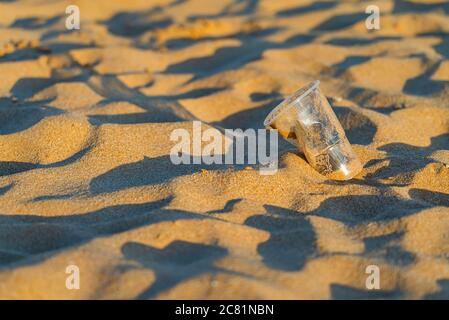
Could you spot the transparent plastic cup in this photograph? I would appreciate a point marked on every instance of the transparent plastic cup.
(306, 120)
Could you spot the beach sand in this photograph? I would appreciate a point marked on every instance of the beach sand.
(86, 178)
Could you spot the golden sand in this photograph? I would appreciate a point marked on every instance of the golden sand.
(86, 178)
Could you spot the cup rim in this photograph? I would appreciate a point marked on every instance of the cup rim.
(288, 102)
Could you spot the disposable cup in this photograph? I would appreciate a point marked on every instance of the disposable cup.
(307, 120)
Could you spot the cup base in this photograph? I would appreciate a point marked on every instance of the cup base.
(338, 162)
(346, 172)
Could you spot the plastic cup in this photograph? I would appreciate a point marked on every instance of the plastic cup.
(307, 120)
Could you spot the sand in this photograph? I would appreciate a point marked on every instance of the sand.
(86, 177)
